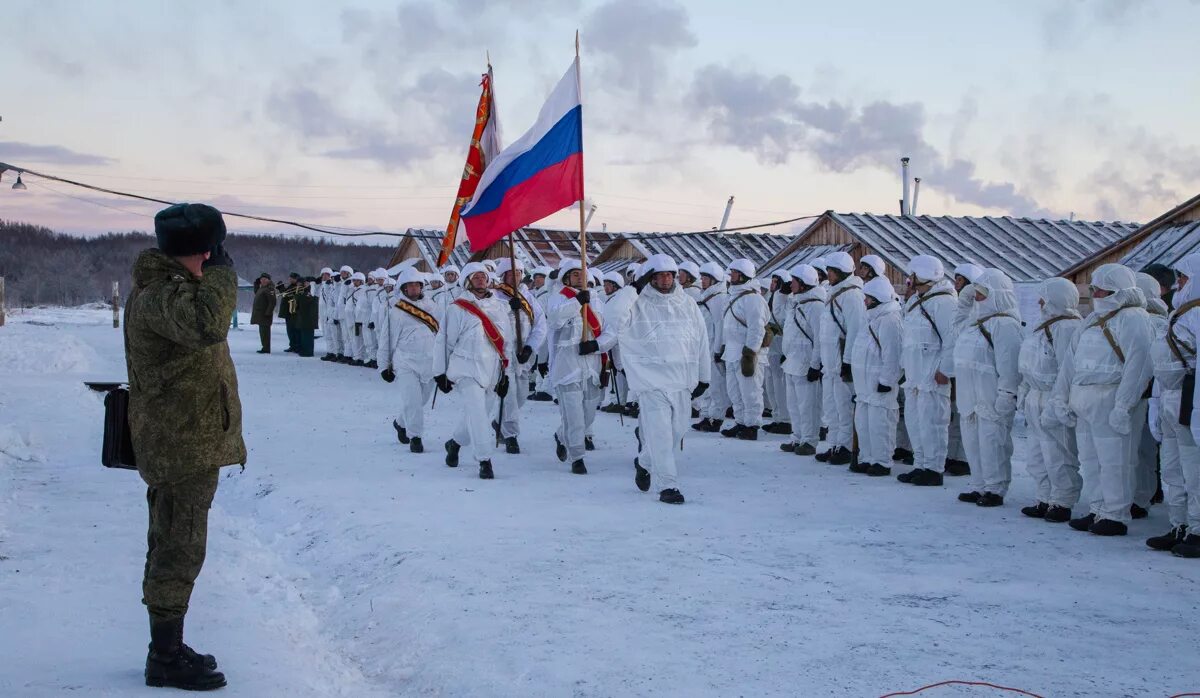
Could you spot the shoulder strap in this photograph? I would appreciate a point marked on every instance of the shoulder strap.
(983, 330)
(920, 305)
(735, 299)
(1102, 323)
(875, 337)
(1177, 345)
(489, 328)
(420, 315)
(1045, 326)
(833, 305)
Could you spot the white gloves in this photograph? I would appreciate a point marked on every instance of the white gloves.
(1154, 420)
(1006, 404)
(1120, 421)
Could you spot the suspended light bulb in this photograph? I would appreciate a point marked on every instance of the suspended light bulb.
(19, 186)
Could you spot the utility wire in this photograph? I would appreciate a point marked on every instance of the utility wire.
(359, 233)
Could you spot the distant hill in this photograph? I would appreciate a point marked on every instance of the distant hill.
(42, 267)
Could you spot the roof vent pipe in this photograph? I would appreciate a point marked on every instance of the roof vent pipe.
(916, 194)
(904, 178)
(728, 210)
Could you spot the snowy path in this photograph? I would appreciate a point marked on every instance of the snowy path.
(340, 564)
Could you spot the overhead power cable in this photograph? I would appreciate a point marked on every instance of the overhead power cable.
(343, 232)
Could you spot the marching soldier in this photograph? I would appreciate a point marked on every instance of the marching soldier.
(526, 311)
(471, 353)
(406, 351)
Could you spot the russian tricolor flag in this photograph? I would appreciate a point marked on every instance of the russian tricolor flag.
(539, 174)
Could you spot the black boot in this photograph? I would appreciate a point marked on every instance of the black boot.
(840, 456)
(1057, 514)
(859, 468)
(702, 425)
(906, 478)
(748, 434)
(1189, 548)
(671, 496)
(401, 432)
(511, 445)
(328, 357)
(641, 476)
(970, 497)
(877, 470)
(1137, 512)
(415, 445)
(1108, 527)
(824, 456)
(452, 453)
(170, 663)
(372, 364)
(578, 467)
(728, 413)
(924, 477)
(485, 470)
(787, 446)
(957, 468)
(695, 413)
(804, 450)
(784, 428)
(1169, 539)
(990, 499)
(903, 455)
(560, 450)
(587, 444)
(1037, 511)
(732, 432)
(1083, 523)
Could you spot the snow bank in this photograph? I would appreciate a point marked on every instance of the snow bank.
(20, 444)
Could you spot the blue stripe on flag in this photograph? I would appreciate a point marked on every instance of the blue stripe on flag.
(562, 141)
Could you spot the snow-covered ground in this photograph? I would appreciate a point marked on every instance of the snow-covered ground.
(341, 564)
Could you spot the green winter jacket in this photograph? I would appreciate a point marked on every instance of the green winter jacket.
(184, 412)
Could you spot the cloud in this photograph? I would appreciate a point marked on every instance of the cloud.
(635, 38)
(766, 116)
(24, 153)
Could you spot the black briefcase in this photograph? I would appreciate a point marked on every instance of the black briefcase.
(118, 445)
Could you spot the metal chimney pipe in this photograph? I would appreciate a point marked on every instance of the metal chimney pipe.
(728, 210)
(916, 194)
(591, 212)
(904, 178)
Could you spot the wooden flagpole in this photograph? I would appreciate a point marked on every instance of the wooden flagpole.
(583, 262)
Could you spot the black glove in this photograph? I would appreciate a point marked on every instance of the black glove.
(370, 325)
(584, 297)
(443, 383)
(358, 329)
(218, 258)
(337, 322)
(847, 374)
(699, 390)
(543, 369)
(589, 347)
(388, 375)
(814, 375)
(881, 388)
(782, 358)
(515, 304)
(502, 386)
(524, 354)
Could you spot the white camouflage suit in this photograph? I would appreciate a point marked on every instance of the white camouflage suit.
(575, 379)
(779, 305)
(985, 360)
(712, 308)
(844, 314)
(664, 345)
(801, 343)
(1103, 390)
(1053, 457)
(928, 349)
(463, 352)
(1181, 470)
(875, 361)
(743, 327)
(533, 335)
(406, 345)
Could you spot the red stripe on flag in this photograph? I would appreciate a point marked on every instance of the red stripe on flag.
(547, 192)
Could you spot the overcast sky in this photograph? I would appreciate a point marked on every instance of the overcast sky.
(358, 114)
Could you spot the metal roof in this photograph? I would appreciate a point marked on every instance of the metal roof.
(1166, 246)
(1025, 249)
(534, 246)
(803, 254)
(718, 247)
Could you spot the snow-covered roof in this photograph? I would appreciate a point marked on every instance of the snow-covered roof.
(718, 247)
(1026, 249)
(1166, 246)
(801, 254)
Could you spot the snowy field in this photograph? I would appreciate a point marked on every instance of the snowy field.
(341, 564)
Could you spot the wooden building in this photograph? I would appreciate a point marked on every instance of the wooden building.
(1164, 240)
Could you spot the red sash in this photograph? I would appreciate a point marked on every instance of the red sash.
(489, 328)
(592, 321)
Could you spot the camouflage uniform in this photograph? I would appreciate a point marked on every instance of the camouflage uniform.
(184, 414)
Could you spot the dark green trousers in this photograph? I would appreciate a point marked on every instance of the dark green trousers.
(176, 543)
